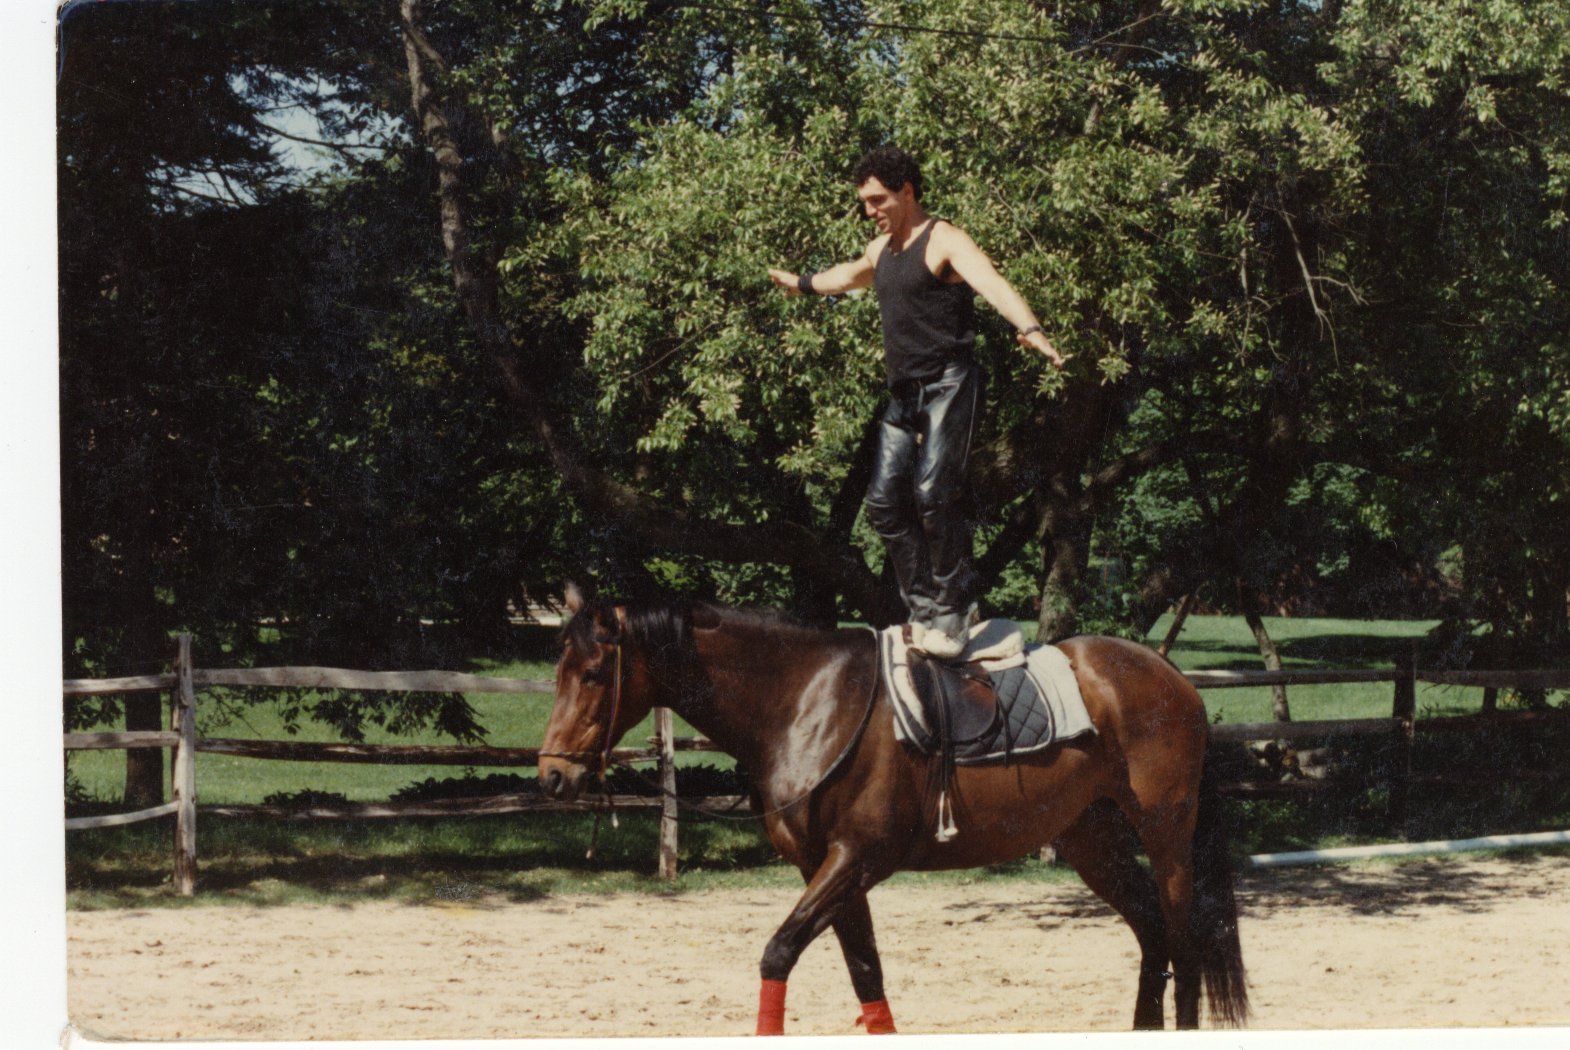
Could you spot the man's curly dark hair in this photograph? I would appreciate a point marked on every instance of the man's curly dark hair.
(891, 166)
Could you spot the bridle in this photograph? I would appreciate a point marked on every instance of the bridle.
(604, 755)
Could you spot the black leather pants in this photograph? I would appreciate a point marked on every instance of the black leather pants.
(918, 477)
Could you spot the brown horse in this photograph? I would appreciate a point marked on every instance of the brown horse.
(805, 715)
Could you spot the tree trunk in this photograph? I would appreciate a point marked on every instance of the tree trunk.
(1267, 649)
(1186, 603)
(1049, 454)
(144, 766)
(1065, 557)
(1060, 616)
(144, 640)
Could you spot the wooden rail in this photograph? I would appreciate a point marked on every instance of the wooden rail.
(386, 681)
(116, 819)
(394, 754)
(1270, 789)
(1554, 679)
(1241, 679)
(491, 805)
(1471, 723)
(97, 686)
(1401, 728)
(107, 741)
(1244, 733)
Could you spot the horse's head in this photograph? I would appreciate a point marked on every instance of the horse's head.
(605, 684)
(618, 662)
(590, 691)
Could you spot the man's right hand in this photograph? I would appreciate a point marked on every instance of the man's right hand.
(786, 281)
(836, 280)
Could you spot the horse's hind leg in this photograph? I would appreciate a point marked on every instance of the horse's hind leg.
(1101, 847)
(1167, 833)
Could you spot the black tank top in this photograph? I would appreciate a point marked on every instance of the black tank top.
(927, 323)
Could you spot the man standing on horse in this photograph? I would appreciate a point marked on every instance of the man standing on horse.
(927, 273)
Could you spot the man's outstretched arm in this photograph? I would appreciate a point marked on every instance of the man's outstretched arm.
(836, 280)
(971, 263)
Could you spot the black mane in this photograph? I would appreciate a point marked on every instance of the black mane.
(661, 629)
(665, 624)
(660, 625)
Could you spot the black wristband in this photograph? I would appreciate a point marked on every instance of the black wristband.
(804, 282)
(1032, 328)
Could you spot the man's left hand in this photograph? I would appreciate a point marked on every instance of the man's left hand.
(1039, 342)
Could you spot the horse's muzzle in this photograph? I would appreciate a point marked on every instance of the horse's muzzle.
(563, 781)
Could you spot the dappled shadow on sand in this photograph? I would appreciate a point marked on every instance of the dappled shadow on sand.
(1060, 906)
(1410, 887)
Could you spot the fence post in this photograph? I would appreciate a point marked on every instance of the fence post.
(1404, 712)
(665, 732)
(183, 717)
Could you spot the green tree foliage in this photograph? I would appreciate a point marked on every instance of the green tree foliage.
(179, 302)
(1467, 262)
(271, 436)
(1309, 258)
(1228, 212)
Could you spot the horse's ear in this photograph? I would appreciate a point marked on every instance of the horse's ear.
(574, 598)
(611, 619)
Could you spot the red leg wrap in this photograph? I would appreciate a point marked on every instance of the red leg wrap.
(877, 1017)
(771, 1008)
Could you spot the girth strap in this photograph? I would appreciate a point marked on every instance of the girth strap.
(947, 828)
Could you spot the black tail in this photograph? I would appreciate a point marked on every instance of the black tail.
(1215, 910)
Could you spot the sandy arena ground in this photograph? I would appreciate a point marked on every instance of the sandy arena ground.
(1441, 942)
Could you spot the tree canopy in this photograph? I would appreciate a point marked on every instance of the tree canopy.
(386, 314)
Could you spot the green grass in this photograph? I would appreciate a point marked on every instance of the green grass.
(1224, 643)
(266, 862)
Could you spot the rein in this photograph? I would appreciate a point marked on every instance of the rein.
(605, 762)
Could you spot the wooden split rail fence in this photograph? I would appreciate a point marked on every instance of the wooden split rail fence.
(1400, 728)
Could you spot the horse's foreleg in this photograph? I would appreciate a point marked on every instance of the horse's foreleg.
(1100, 846)
(853, 927)
(834, 884)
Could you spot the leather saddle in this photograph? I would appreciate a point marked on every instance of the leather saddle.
(957, 699)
